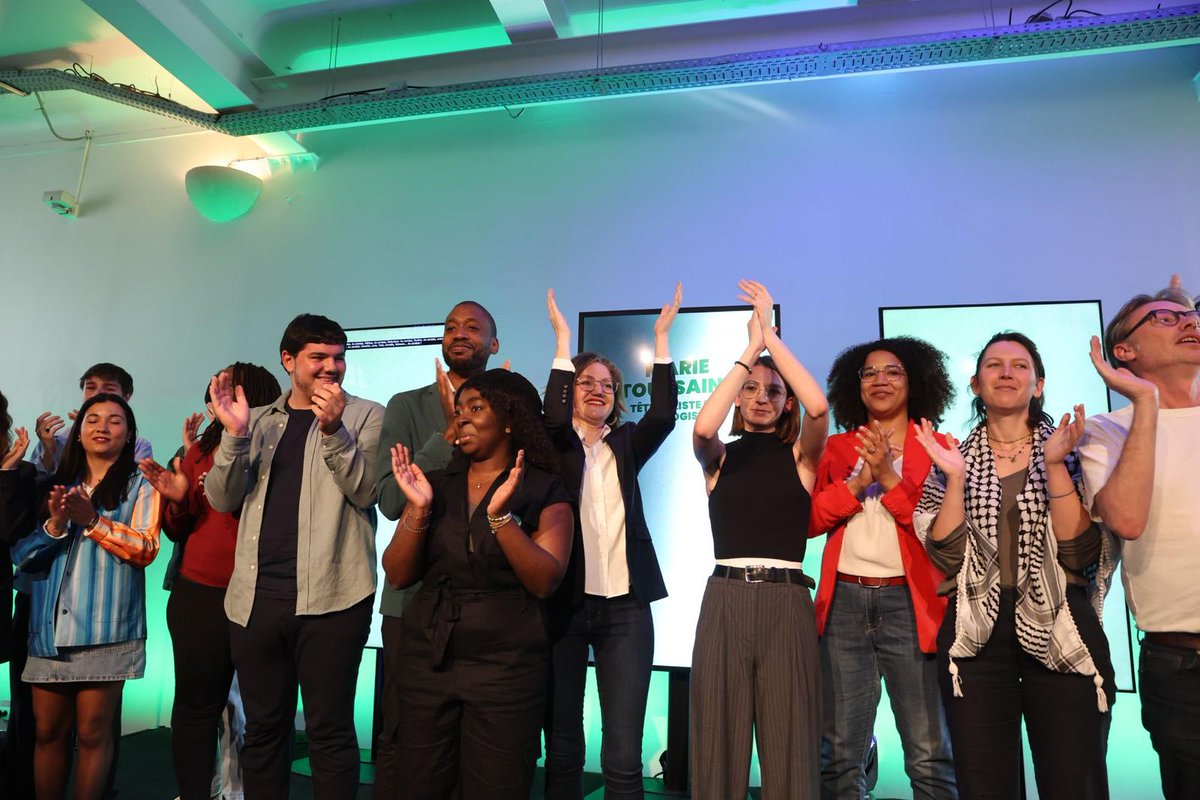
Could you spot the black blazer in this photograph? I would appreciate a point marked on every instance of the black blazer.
(632, 444)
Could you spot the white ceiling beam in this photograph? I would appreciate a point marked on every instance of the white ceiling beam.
(192, 44)
(531, 20)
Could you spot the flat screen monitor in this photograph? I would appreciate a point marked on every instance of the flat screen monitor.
(1062, 332)
(379, 363)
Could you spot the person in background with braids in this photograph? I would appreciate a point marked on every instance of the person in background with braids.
(1002, 517)
(196, 609)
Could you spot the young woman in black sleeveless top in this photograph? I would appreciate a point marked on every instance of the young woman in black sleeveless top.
(755, 667)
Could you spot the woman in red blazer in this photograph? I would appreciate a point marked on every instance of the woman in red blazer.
(877, 607)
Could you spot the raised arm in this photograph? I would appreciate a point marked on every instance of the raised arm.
(950, 461)
(558, 402)
(1068, 517)
(706, 440)
(229, 479)
(1123, 502)
(659, 419)
(814, 429)
(540, 558)
(404, 557)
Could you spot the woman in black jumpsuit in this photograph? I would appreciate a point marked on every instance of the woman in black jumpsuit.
(489, 537)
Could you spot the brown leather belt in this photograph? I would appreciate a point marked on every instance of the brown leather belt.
(872, 583)
(1182, 641)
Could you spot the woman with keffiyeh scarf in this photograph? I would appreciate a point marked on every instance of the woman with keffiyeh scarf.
(1027, 570)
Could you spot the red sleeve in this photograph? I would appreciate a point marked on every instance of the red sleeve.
(832, 503)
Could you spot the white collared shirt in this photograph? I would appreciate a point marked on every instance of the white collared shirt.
(601, 512)
(602, 517)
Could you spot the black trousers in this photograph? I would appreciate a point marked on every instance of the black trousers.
(387, 781)
(16, 771)
(471, 715)
(1068, 736)
(203, 674)
(278, 653)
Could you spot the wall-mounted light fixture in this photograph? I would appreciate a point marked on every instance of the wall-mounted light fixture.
(223, 193)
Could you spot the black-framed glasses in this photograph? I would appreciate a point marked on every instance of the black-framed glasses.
(1163, 318)
(773, 391)
(590, 385)
(891, 373)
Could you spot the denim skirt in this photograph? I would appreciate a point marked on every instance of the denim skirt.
(119, 661)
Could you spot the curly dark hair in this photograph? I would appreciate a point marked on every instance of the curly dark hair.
(261, 388)
(929, 387)
(72, 468)
(584, 360)
(517, 405)
(1037, 405)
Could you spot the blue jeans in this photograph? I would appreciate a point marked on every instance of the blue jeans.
(871, 633)
(620, 631)
(1170, 691)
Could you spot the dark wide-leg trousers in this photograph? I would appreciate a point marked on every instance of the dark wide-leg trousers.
(756, 671)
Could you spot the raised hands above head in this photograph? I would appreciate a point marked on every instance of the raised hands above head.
(756, 294)
(229, 404)
(558, 323)
(662, 325)
(16, 451)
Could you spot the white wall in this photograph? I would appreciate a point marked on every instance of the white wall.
(1064, 179)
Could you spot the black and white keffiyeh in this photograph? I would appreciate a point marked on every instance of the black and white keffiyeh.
(1044, 625)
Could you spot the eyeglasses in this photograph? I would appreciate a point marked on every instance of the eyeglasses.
(891, 373)
(1163, 318)
(589, 385)
(773, 391)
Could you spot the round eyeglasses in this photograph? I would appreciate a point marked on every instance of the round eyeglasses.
(590, 385)
(890, 372)
(773, 391)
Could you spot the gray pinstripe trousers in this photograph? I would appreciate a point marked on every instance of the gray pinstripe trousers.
(756, 670)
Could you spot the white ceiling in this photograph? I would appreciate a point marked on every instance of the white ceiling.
(219, 55)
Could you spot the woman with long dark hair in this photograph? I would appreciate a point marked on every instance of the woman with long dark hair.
(1002, 517)
(85, 566)
(489, 538)
(878, 610)
(755, 667)
(196, 610)
(604, 602)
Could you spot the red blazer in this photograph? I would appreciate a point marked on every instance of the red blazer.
(832, 507)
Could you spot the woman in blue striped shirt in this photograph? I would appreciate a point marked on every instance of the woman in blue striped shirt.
(85, 566)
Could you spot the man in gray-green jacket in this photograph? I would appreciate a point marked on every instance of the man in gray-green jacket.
(423, 421)
(301, 472)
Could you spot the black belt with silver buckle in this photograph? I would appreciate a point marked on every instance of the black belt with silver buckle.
(761, 574)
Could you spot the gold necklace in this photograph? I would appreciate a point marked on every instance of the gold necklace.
(483, 480)
(1024, 438)
(1011, 455)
